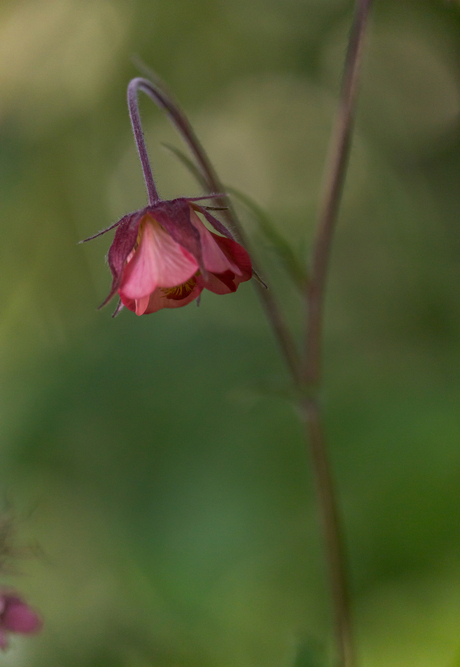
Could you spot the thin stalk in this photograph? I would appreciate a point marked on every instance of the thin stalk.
(332, 533)
(337, 163)
(133, 107)
(312, 371)
(166, 102)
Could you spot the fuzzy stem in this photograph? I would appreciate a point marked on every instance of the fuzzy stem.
(166, 102)
(133, 107)
(312, 371)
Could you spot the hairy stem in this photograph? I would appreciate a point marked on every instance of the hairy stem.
(312, 371)
(133, 107)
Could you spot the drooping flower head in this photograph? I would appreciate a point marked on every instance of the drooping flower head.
(16, 617)
(164, 255)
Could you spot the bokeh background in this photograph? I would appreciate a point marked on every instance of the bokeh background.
(153, 468)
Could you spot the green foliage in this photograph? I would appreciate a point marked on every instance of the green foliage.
(309, 655)
(277, 241)
(173, 506)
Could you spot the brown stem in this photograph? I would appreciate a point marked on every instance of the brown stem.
(312, 371)
(332, 533)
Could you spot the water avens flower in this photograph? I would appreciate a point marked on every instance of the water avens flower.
(164, 255)
(16, 617)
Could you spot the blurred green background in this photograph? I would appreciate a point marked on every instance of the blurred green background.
(155, 461)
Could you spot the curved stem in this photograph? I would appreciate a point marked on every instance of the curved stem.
(312, 371)
(166, 102)
(133, 107)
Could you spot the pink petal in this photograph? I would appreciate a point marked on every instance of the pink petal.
(227, 281)
(141, 304)
(174, 217)
(238, 255)
(19, 617)
(215, 260)
(158, 300)
(158, 261)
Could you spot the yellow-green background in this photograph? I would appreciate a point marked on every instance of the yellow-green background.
(156, 461)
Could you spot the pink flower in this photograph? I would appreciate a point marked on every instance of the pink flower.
(164, 256)
(16, 616)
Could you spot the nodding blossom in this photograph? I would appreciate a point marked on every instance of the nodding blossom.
(16, 617)
(163, 256)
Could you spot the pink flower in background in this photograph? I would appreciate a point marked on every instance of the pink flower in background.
(16, 616)
(164, 256)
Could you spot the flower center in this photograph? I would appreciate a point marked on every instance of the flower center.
(181, 291)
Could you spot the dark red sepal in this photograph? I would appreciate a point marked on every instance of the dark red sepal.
(104, 231)
(123, 243)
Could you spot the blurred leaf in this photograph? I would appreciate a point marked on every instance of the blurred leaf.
(310, 654)
(254, 392)
(278, 242)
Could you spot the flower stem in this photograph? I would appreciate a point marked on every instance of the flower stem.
(312, 371)
(165, 101)
(332, 533)
(133, 107)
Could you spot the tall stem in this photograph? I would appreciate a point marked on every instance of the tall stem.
(166, 102)
(312, 371)
(332, 533)
(339, 151)
(133, 107)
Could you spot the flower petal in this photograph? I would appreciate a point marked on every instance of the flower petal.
(159, 299)
(227, 281)
(141, 304)
(158, 261)
(237, 255)
(19, 617)
(215, 260)
(174, 217)
(221, 283)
